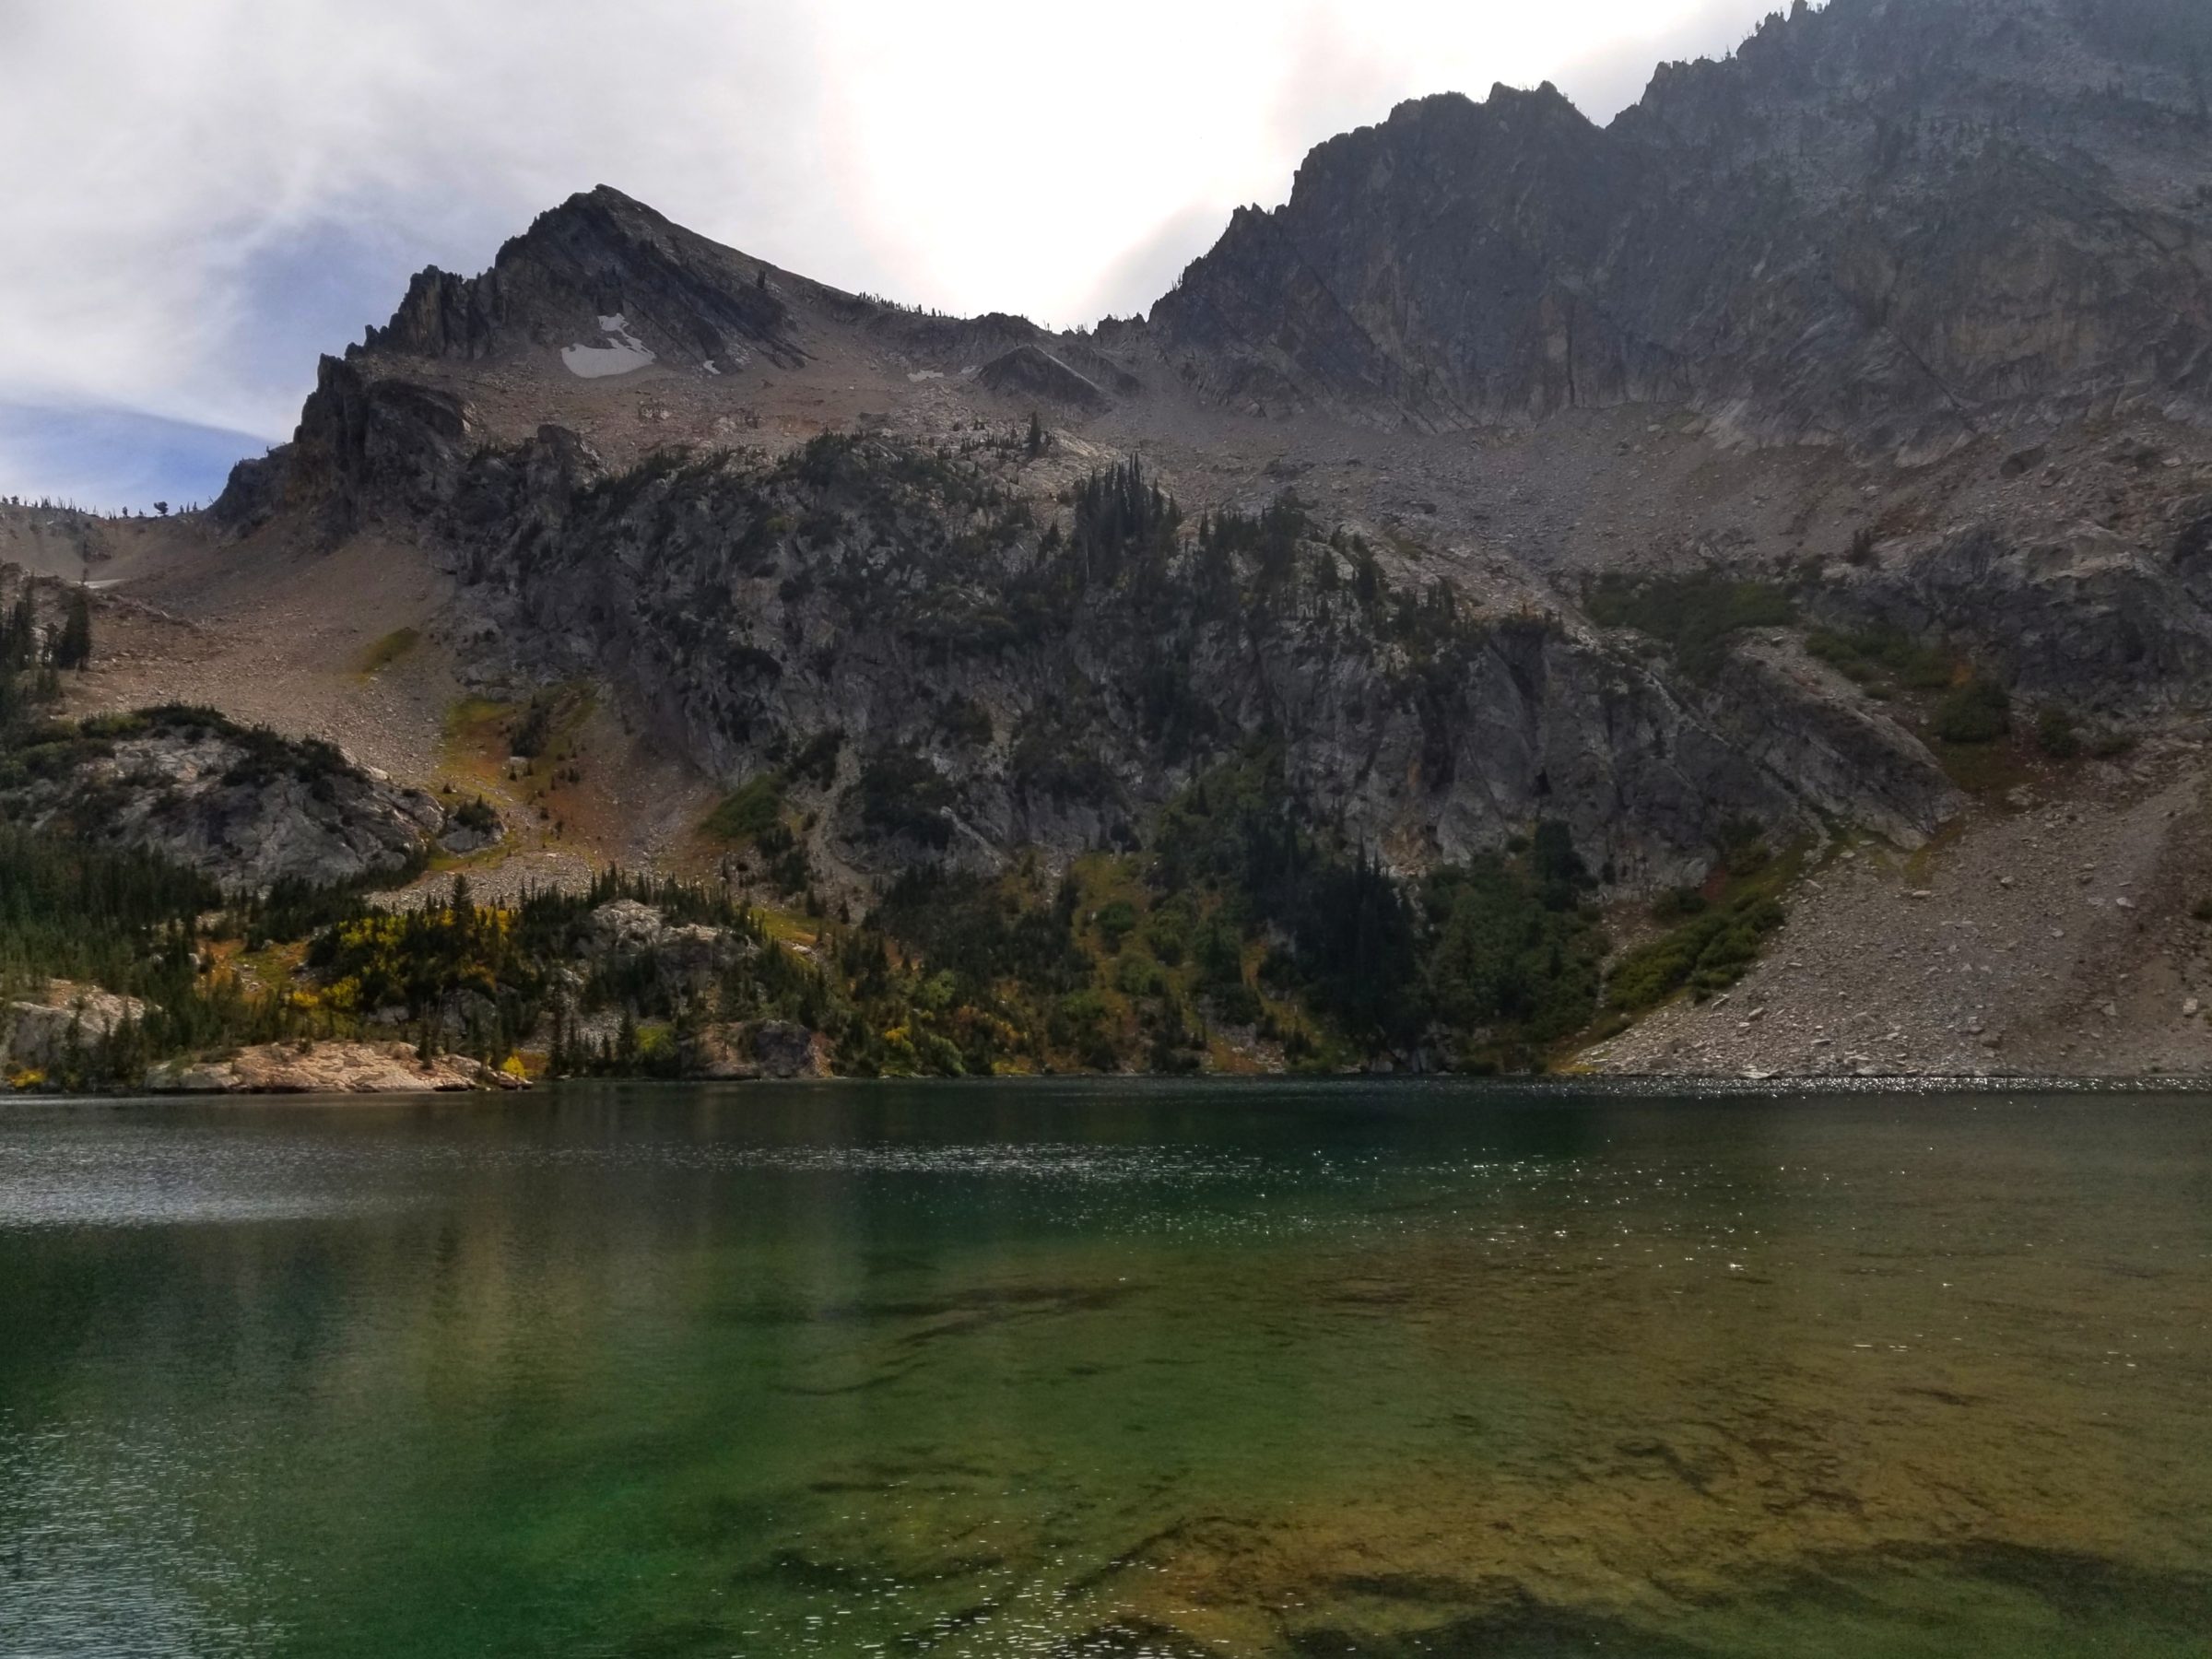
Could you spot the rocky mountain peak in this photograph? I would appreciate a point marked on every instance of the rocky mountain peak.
(600, 272)
(1888, 223)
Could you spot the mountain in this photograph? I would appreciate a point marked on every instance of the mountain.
(1894, 224)
(1515, 584)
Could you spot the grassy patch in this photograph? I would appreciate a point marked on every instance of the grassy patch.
(750, 810)
(1885, 655)
(1693, 616)
(1716, 945)
(1977, 711)
(387, 651)
(547, 724)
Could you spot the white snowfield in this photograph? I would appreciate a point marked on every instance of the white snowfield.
(620, 353)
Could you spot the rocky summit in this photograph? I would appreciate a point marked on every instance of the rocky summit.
(1546, 593)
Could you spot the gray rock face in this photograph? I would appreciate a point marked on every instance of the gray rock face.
(690, 956)
(761, 1048)
(870, 600)
(38, 1035)
(1031, 372)
(366, 448)
(1886, 226)
(245, 807)
(1887, 221)
(598, 254)
(330, 1068)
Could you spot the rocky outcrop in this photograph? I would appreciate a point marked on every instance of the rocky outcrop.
(366, 448)
(241, 804)
(599, 255)
(40, 1035)
(1813, 732)
(1883, 226)
(329, 1068)
(2077, 616)
(688, 957)
(856, 597)
(1031, 372)
(762, 1048)
(1888, 221)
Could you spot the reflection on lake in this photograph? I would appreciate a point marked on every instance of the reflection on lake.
(1100, 1369)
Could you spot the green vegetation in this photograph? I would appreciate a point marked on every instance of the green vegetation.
(1872, 656)
(902, 795)
(72, 647)
(2056, 734)
(1498, 958)
(389, 650)
(1713, 942)
(1693, 616)
(749, 811)
(1977, 711)
(476, 816)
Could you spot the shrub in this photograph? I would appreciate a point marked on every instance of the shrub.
(1694, 616)
(1169, 933)
(901, 793)
(1873, 652)
(750, 810)
(1709, 953)
(815, 762)
(1237, 1005)
(2055, 734)
(532, 729)
(1978, 712)
(1139, 976)
(1116, 922)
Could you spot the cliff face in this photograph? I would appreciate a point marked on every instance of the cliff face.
(1880, 230)
(1893, 222)
(968, 684)
(243, 806)
(599, 255)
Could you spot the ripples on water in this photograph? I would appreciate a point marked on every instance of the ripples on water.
(1059, 1370)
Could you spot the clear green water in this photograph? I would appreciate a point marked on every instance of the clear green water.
(1100, 1369)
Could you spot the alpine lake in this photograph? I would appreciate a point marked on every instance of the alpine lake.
(1109, 1367)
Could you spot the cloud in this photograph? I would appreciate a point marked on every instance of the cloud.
(1139, 275)
(203, 195)
(106, 459)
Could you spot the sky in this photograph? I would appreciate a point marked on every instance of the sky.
(199, 198)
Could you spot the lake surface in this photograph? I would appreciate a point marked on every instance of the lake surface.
(1108, 1370)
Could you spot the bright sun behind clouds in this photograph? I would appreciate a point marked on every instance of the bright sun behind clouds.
(203, 194)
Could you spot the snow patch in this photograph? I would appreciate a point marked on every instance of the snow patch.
(622, 352)
(709, 367)
(926, 375)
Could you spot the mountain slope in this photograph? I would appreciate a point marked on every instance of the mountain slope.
(1893, 222)
(1815, 457)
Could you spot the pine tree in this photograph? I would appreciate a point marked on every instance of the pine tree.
(73, 646)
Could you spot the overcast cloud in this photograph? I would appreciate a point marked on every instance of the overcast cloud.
(201, 195)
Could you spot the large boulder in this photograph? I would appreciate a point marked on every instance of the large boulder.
(38, 1034)
(330, 1068)
(762, 1048)
(241, 804)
